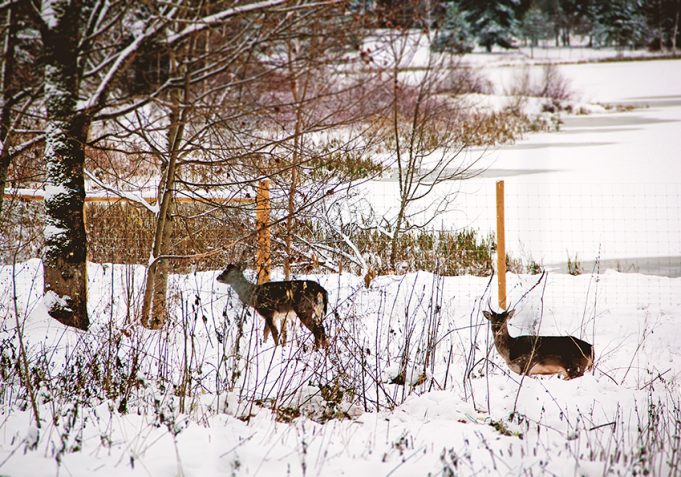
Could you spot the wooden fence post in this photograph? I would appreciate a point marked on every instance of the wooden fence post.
(262, 220)
(501, 246)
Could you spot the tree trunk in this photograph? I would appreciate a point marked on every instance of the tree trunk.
(299, 94)
(7, 93)
(64, 262)
(154, 309)
(397, 233)
(675, 33)
(290, 218)
(400, 169)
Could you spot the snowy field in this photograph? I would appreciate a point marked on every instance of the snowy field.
(412, 384)
(457, 414)
(606, 187)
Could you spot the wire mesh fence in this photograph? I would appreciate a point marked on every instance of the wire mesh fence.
(577, 228)
(581, 228)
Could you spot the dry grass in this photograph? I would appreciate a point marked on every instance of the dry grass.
(123, 233)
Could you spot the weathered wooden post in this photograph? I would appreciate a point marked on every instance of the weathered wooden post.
(501, 246)
(262, 220)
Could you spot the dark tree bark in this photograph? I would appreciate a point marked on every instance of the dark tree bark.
(7, 93)
(64, 262)
(71, 30)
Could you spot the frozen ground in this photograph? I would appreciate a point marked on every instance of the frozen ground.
(458, 414)
(606, 186)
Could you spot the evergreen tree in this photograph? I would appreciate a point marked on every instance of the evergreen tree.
(455, 32)
(620, 23)
(662, 19)
(494, 21)
(573, 14)
(535, 26)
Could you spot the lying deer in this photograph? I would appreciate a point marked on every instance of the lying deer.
(567, 356)
(275, 300)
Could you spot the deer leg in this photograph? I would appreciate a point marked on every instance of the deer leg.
(280, 323)
(269, 325)
(320, 339)
(315, 325)
(284, 330)
(265, 332)
(283, 333)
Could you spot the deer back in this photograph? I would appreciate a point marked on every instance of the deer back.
(530, 354)
(564, 355)
(284, 296)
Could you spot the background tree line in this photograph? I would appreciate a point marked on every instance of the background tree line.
(464, 23)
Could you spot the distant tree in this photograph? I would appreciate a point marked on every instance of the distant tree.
(455, 34)
(572, 14)
(494, 22)
(535, 26)
(662, 18)
(566, 17)
(620, 23)
(403, 14)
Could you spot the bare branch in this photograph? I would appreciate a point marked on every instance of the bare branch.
(212, 20)
(123, 194)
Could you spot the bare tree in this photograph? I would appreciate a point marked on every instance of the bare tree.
(183, 130)
(423, 124)
(84, 57)
(320, 103)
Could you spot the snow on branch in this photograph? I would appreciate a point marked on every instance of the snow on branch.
(124, 194)
(124, 57)
(212, 20)
(18, 149)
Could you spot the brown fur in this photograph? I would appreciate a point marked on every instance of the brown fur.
(275, 300)
(533, 355)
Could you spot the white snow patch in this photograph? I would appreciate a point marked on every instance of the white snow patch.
(51, 300)
(52, 232)
(52, 191)
(32, 436)
(443, 424)
(48, 13)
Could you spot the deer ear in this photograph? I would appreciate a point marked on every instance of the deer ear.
(487, 314)
(510, 314)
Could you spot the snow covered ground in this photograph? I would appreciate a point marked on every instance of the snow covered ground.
(460, 411)
(607, 186)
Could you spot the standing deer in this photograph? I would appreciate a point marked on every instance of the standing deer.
(275, 300)
(533, 355)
